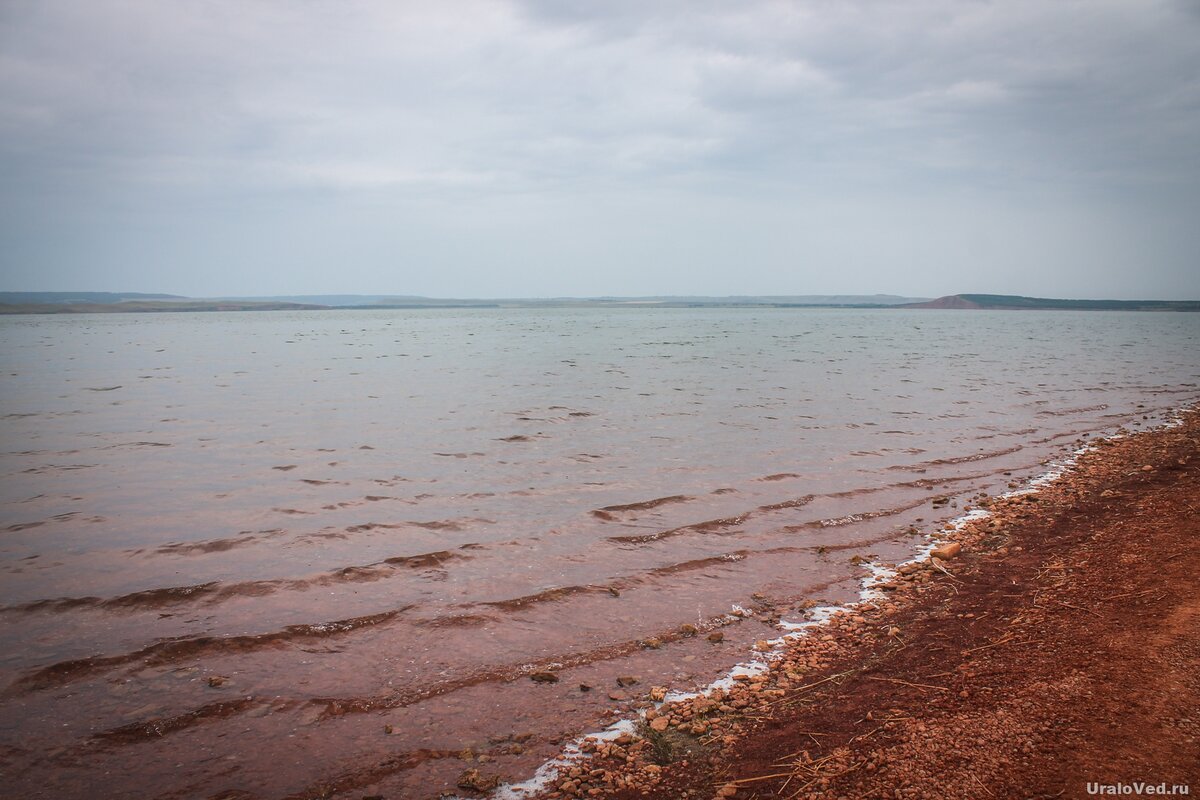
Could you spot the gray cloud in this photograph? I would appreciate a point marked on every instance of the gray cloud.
(482, 148)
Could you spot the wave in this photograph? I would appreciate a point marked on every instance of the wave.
(158, 727)
(52, 467)
(942, 462)
(709, 526)
(644, 505)
(862, 516)
(796, 502)
(214, 545)
(1066, 412)
(135, 444)
(546, 595)
(215, 591)
(172, 650)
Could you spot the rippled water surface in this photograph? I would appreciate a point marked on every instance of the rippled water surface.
(281, 554)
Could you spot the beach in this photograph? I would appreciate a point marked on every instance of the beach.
(1055, 654)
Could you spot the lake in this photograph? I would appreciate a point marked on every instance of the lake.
(276, 554)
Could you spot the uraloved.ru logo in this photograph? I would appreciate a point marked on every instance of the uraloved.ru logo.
(1138, 788)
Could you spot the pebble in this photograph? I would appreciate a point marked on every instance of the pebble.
(474, 779)
(946, 551)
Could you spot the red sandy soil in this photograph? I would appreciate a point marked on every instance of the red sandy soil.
(1060, 647)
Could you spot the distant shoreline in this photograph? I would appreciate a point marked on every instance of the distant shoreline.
(169, 308)
(103, 303)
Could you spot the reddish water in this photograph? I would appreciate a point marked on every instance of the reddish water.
(238, 550)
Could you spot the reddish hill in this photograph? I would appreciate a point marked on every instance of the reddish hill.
(950, 301)
(1018, 303)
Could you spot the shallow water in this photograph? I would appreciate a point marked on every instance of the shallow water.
(364, 519)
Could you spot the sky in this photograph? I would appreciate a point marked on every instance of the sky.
(529, 148)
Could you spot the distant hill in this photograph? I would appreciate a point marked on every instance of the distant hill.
(147, 306)
(20, 298)
(1005, 302)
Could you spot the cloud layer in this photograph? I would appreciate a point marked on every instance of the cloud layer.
(550, 148)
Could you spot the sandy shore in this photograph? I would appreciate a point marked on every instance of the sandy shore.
(1056, 654)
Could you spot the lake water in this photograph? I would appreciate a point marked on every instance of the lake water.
(279, 554)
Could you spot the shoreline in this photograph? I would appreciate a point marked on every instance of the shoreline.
(728, 740)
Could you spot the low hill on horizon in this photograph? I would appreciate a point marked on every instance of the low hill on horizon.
(21, 298)
(148, 307)
(1006, 302)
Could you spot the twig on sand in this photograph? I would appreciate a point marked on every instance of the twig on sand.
(997, 643)
(819, 776)
(796, 763)
(1128, 594)
(1077, 608)
(740, 781)
(809, 686)
(975, 778)
(868, 734)
(809, 769)
(1005, 640)
(823, 680)
(907, 683)
(937, 565)
(796, 753)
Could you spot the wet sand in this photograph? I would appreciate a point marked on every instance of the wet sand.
(1059, 648)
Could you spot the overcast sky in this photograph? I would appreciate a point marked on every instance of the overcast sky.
(474, 148)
